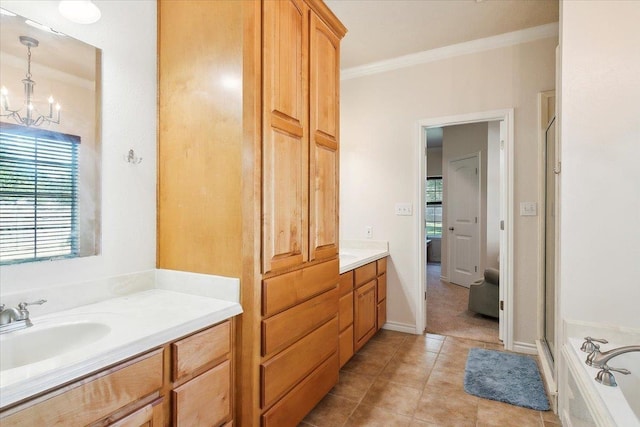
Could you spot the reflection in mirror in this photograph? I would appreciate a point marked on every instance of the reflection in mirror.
(49, 144)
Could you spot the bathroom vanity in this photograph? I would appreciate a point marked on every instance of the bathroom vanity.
(155, 357)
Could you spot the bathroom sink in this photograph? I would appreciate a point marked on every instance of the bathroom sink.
(41, 342)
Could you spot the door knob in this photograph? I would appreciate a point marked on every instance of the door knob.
(450, 228)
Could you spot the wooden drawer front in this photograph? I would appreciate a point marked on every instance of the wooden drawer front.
(382, 265)
(364, 321)
(151, 415)
(382, 314)
(382, 287)
(287, 290)
(287, 327)
(346, 345)
(365, 273)
(205, 400)
(346, 283)
(287, 368)
(195, 351)
(95, 398)
(345, 315)
(292, 408)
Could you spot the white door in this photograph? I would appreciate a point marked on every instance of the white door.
(463, 207)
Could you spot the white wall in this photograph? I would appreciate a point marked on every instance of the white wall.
(379, 145)
(493, 195)
(600, 154)
(458, 141)
(126, 33)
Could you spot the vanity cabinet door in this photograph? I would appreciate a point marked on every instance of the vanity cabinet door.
(365, 313)
(205, 400)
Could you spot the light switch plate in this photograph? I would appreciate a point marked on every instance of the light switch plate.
(528, 209)
(404, 209)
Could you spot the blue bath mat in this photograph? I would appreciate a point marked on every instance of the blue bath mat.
(505, 377)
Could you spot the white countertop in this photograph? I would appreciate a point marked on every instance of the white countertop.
(356, 253)
(138, 322)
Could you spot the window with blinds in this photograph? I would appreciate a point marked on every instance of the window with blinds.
(38, 194)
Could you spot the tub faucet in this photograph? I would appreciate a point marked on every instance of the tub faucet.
(599, 359)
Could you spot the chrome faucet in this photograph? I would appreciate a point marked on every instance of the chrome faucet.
(599, 359)
(13, 319)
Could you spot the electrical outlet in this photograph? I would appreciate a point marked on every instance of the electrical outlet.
(528, 209)
(369, 232)
(404, 209)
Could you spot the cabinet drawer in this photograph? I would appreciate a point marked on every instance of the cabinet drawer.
(205, 400)
(150, 415)
(382, 265)
(382, 287)
(346, 283)
(346, 345)
(287, 368)
(345, 315)
(194, 352)
(382, 314)
(293, 407)
(290, 325)
(365, 273)
(287, 290)
(94, 398)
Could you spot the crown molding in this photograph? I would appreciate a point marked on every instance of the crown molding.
(473, 46)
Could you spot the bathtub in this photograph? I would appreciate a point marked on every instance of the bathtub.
(589, 403)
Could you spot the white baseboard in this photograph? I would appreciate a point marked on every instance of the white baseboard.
(401, 327)
(444, 278)
(525, 347)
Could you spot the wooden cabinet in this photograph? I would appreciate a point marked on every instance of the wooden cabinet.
(195, 389)
(248, 182)
(363, 306)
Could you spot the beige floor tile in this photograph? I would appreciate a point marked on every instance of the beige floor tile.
(456, 345)
(394, 397)
(421, 357)
(369, 416)
(436, 336)
(453, 360)
(492, 413)
(447, 409)
(352, 386)
(423, 342)
(379, 349)
(390, 337)
(364, 365)
(419, 423)
(549, 416)
(332, 411)
(494, 346)
(410, 374)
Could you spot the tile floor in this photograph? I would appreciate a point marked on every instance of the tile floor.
(401, 379)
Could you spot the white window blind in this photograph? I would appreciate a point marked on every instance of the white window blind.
(38, 194)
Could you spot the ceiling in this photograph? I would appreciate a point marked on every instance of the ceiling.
(384, 29)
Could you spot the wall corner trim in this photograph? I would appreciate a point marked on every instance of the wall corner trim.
(479, 45)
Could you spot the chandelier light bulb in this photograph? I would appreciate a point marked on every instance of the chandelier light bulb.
(79, 11)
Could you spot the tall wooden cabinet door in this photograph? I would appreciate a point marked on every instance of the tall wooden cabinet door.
(324, 83)
(285, 134)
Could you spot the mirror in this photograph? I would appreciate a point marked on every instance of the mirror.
(49, 171)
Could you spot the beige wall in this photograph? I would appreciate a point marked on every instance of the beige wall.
(600, 153)
(459, 141)
(379, 149)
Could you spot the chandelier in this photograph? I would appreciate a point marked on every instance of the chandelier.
(31, 116)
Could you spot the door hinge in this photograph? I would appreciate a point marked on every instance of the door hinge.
(476, 171)
(502, 144)
(476, 220)
(502, 305)
(502, 224)
(425, 295)
(476, 267)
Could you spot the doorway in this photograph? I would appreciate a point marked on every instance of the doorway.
(505, 256)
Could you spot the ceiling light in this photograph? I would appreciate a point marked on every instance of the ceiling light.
(30, 117)
(79, 11)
